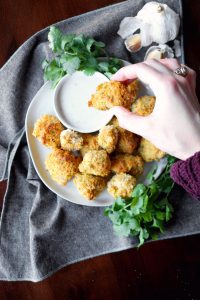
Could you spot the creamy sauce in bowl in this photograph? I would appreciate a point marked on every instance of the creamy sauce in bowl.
(71, 102)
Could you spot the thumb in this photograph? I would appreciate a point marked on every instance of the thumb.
(130, 121)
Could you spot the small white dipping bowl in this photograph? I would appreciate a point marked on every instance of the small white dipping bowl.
(71, 102)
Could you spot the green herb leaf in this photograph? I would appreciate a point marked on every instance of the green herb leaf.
(55, 38)
(143, 235)
(139, 190)
(71, 65)
(148, 210)
(76, 52)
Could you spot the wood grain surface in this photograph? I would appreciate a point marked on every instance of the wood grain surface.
(159, 270)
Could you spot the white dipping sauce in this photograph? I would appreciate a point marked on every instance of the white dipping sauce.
(71, 102)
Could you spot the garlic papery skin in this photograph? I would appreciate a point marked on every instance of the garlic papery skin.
(157, 23)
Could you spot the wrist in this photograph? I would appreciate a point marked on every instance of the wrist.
(190, 150)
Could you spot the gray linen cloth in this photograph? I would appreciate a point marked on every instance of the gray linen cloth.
(40, 232)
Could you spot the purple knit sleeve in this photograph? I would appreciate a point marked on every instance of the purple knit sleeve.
(187, 174)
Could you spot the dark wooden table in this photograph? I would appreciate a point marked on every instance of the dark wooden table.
(159, 270)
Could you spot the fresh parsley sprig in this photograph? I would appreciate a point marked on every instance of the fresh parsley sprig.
(76, 52)
(147, 211)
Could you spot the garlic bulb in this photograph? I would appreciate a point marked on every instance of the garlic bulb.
(157, 23)
(159, 52)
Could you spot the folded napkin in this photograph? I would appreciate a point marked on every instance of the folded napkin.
(40, 232)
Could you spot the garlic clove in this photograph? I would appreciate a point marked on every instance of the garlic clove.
(128, 26)
(133, 43)
(159, 52)
(155, 54)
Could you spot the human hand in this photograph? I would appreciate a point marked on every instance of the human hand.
(174, 124)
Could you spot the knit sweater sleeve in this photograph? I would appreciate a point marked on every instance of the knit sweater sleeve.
(187, 174)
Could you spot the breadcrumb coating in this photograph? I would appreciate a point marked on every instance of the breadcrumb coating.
(108, 137)
(127, 163)
(47, 130)
(71, 140)
(96, 162)
(112, 93)
(62, 165)
(144, 106)
(121, 185)
(114, 122)
(149, 152)
(90, 142)
(134, 87)
(127, 141)
(88, 185)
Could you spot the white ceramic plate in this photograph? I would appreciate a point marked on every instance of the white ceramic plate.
(43, 103)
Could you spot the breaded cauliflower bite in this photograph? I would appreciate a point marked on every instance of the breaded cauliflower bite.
(47, 130)
(71, 140)
(127, 163)
(127, 141)
(134, 87)
(121, 185)
(144, 106)
(108, 137)
(88, 185)
(90, 142)
(96, 162)
(149, 152)
(62, 165)
(112, 93)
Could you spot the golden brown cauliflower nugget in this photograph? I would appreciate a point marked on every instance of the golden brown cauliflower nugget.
(62, 165)
(127, 141)
(90, 142)
(71, 140)
(149, 152)
(96, 162)
(144, 106)
(47, 130)
(134, 87)
(127, 163)
(121, 185)
(89, 185)
(108, 137)
(113, 93)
